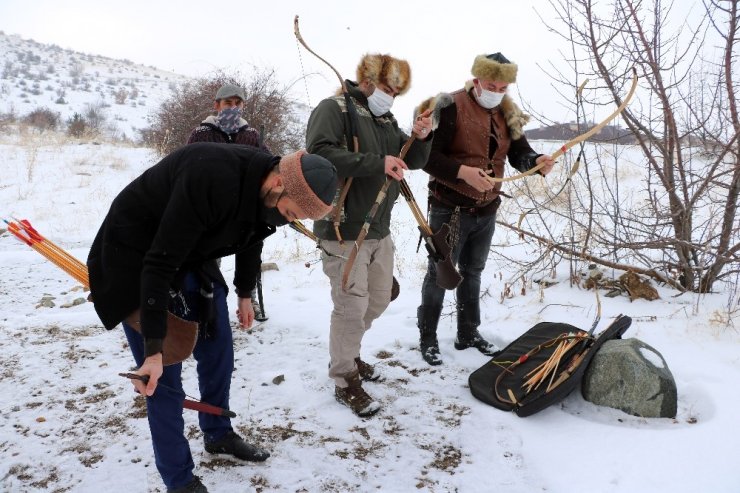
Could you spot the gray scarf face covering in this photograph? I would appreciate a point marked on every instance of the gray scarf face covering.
(228, 119)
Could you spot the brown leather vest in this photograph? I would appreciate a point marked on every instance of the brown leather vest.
(474, 127)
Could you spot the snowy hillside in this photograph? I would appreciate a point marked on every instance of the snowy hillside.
(35, 75)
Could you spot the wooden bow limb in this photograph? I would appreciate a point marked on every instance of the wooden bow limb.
(364, 231)
(301, 228)
(336, 219)
(371, 215)
(193, 404)
(576, 165)
(437, 245)
(577, 140)
(297, 32)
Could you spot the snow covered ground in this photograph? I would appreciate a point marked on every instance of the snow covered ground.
(68, 422)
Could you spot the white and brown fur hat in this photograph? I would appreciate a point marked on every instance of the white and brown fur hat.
(379, 68)
(494, 67)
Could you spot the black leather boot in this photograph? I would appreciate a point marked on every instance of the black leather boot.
(468, 320)
(427, 320)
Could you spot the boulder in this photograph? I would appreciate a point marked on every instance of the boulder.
(629, 375)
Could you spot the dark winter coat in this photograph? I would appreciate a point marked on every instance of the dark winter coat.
(378, 137)
(208, 131)
(199, 203)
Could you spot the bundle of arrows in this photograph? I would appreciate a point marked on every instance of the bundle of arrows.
(23, 230)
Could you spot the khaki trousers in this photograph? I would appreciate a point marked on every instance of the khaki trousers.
(366, 298)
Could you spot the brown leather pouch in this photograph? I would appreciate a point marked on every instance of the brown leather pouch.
(180, 340)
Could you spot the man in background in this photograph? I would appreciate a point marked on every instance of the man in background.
(229, 127)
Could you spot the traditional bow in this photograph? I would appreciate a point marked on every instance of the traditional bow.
(353, 129)
(436, 244)
(574, 169)
(578, 139)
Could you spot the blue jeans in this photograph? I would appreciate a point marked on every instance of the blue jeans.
(214, 353)
(469, 254)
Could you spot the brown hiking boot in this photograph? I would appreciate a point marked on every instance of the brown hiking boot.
(355, 397)
(367, 371)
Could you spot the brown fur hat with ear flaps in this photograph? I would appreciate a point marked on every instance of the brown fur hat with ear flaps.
(494, 67)
(393, 72)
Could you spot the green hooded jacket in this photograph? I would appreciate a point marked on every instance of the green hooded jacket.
(326, 135)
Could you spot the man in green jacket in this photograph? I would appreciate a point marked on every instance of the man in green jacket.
(367, 292)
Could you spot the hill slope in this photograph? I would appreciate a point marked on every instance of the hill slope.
(35, 75)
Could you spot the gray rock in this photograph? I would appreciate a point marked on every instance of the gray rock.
(629, 375)
(46, 302)
(75, 302)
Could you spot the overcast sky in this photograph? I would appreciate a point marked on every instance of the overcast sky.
(186, 37)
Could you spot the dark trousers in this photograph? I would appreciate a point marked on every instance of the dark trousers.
(214, 353)
(469, 254)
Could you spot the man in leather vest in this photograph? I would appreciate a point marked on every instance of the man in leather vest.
(477, 132)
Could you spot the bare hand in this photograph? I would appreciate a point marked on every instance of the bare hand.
(394, 167)
(475, 177)
(422, 125)
(245, 313)
(152, 367)
(549, 163)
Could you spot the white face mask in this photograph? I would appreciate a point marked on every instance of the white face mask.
(379, 102)
(489, 99)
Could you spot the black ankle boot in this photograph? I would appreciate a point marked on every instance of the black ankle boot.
(468, 320)
(427, 320)
(430, 350)
(474, 339)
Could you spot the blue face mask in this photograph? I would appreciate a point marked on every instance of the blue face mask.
(228, 119)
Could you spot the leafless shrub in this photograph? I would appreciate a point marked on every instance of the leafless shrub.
(269, 108)
(76, 70)
(76, 125)
(95, 116)
(121, 95)
(42, 119)
(682, 227)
